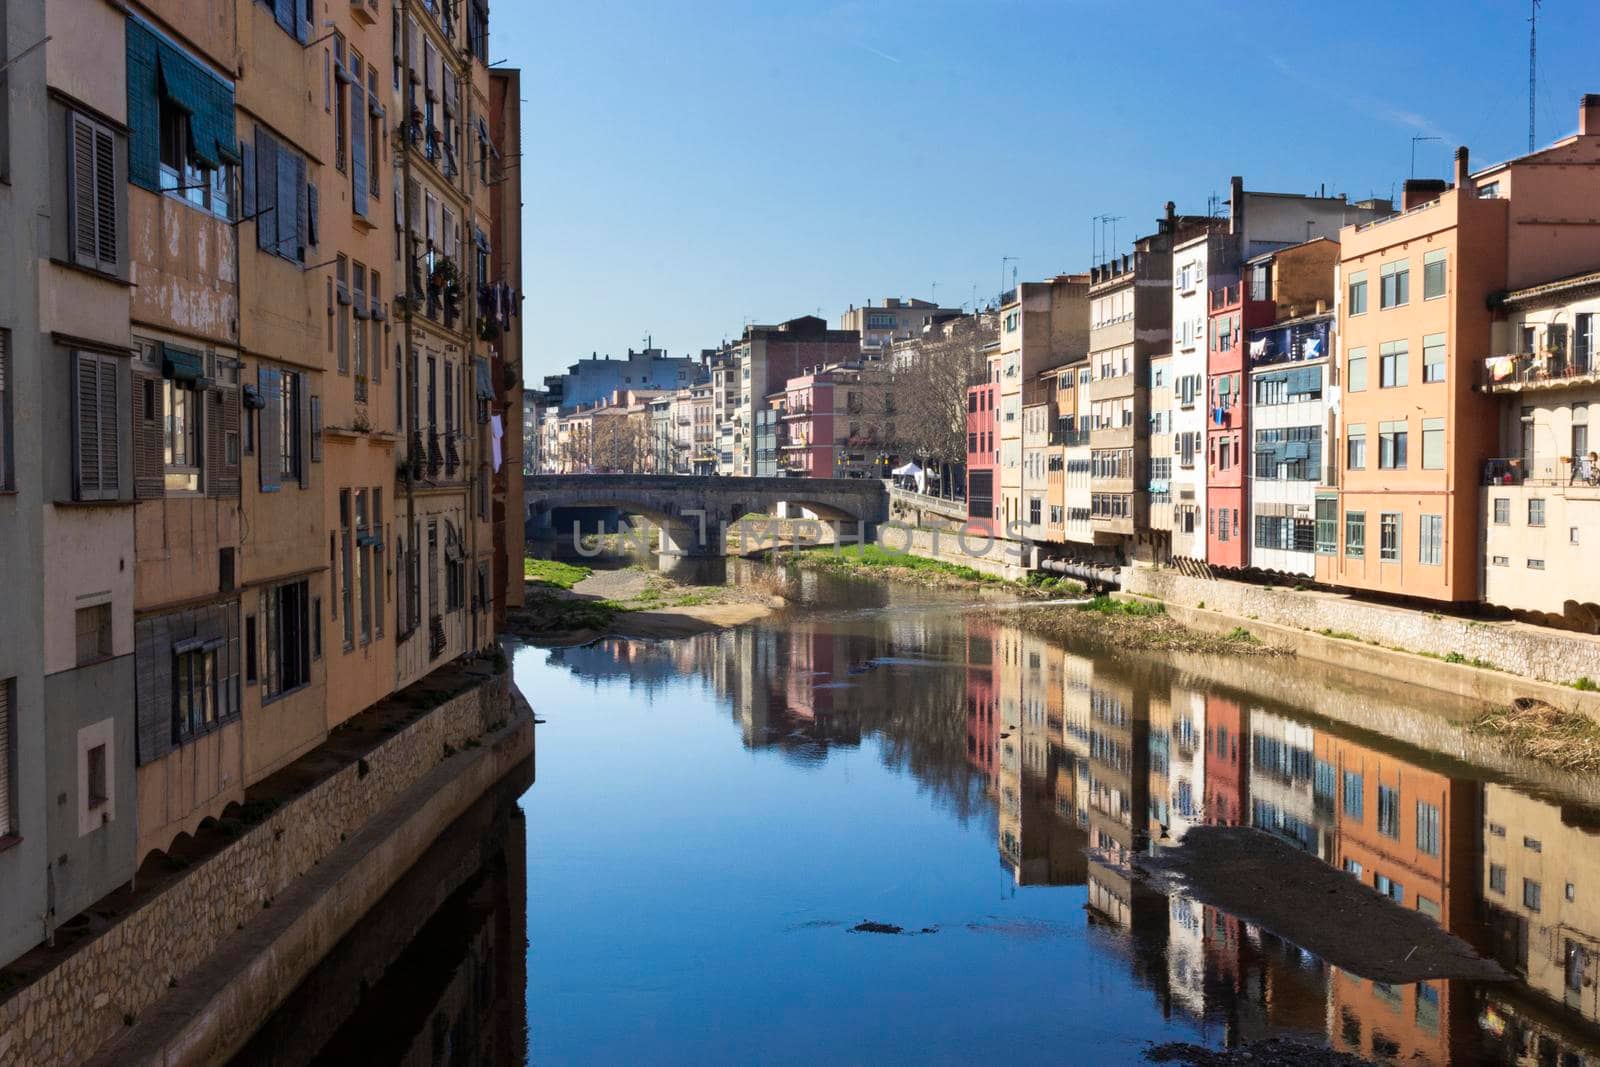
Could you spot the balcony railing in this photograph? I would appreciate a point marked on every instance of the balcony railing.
(1567, 470)
(1535, 369)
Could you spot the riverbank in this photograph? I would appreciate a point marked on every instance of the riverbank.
(571, 604)
(876, 561)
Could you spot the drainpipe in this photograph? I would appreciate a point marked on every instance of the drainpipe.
(408, 387)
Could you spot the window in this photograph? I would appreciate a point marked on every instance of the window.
(289, 432)
(96, 777)
(1392, 438)
(362, 315)
(1532, 894)
(1357, 303)
(1536, 564)
(1389, 811)
(1354, 795)
(1433, 357)
(1502, 510)
(96, 402)
(1433, 444)
(377, 561)
(1355, 534)
(8, 821)
(1428, 828)
(1497, 878)
(1356, 372)
(1431, 548)
(195, 703)
(341, 274)
(1536, 511)
(1389, 537)
(94, 633)
(1356, 448)
(1393, 357)
(1501, 561)
(94, 201)
(1433, 279)
(284, 205)
(182, 438)
(1397, 893)
(1327, 526)
(1035, 509)
(286, 633)
(1395, 282)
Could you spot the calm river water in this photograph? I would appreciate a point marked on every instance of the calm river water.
(713, 815)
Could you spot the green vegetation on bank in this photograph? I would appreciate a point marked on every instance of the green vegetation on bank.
(554, 573)
(1105, 605)
(889, 563)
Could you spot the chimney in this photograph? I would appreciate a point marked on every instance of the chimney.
(1235, 205)
(1462, 171)
(1418, 191)
(1589, 115)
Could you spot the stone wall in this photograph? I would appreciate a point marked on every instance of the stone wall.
(69, 1011)
(1003, 559)
(1553, 656)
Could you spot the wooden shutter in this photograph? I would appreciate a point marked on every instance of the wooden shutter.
(266, 192)
(302, 210)
(284, 12)
(227, 480)
(313, 216)
(94, 194)
(302, 398)
(270, 420)
(95, 417)
(7, 824)
(316, 429)
(149, 456)
(358, 150)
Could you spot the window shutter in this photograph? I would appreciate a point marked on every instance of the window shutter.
(313, 215)
(270, 420)
(215, 449)
(85, 215)
(149, 473)
(87, 423)
(8, 825)
(228, 481)
(266, 192)
(303, 427)
(247, 179)
(358, 150)
(316, 429)
(283, 11)
(105, 186)
(301, 239)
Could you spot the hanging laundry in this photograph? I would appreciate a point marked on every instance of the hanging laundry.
(1258, 349)
(495, 433)
(1311, 348)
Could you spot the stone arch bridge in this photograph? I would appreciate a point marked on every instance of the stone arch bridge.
(694, 512)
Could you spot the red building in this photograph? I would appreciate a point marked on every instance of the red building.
(1227, 763)
(1234, 309)
(982, 452)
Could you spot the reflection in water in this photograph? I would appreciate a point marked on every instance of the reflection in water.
(1086, 758)
(436, 972)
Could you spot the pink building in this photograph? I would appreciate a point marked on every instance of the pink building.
(828, 425)
(982, 450)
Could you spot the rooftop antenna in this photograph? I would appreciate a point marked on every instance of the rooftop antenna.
(1003, 261)
(1420, 137)
(1533, 63)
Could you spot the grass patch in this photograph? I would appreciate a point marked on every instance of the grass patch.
(1240, 634)
(1342, 635)
(1105, 605)
(876, 556)
(1585, 685)
(1052, 583)
(554, 573)
(1481, 664)
(1566, 740)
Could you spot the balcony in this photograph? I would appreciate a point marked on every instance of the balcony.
(1515, 470)
(1290, 344)
(1222, 297)
(1539, 370)
(801, 411)
(1066, 433)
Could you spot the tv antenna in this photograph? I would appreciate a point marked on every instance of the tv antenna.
(1003, 261)
(1533, 65)
(1420, 137)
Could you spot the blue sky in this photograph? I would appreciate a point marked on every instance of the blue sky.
(692, 166)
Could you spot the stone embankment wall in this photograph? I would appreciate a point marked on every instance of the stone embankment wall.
(1438, 650)
(1004, 559)
(93, 995)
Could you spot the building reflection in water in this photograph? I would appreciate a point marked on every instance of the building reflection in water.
(437, 972)
(1087, 758)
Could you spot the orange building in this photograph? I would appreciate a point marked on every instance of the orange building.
(1414, 327)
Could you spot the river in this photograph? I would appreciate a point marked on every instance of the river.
(714, 815)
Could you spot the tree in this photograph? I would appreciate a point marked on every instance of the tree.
(929, 377)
